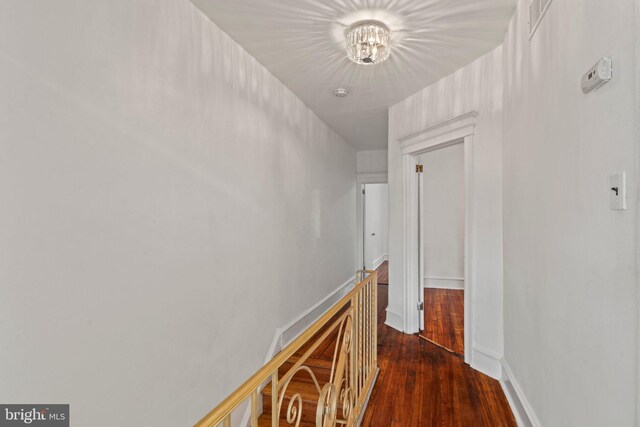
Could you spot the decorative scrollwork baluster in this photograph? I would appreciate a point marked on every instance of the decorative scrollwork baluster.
(353, 369)
(327, 406)
(294, 413)
(346, 398)
(294, 410)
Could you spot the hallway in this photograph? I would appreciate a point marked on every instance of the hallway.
(420, 384)
(192, 185)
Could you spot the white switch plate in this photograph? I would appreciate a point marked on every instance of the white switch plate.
(618, 191)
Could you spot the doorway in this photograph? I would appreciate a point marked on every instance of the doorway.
(459, 130)
(441, 228)
(375, 236)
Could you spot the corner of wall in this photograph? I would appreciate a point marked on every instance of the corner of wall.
(394, 320)
(520, 406)
(378, 262)
(486, 361)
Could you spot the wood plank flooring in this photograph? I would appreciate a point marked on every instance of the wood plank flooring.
(421, 384)
(444, 318)
(383, 273)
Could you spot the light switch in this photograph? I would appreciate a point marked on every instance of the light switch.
(618, 191)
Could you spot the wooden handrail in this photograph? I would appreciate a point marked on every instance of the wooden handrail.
(235, 399)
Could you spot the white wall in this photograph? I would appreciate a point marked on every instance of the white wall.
(443, 214)
(569, 261)
(376, 225)
(476, 87)
(371, 161)
(167, 204)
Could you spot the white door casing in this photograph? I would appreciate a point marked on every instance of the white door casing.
(455, 131)
(421, 264)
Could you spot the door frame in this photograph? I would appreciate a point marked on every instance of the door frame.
(421, 266)
(362, 179)
(459, 130)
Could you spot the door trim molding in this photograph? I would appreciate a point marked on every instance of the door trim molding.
(440, 135)
(372, 178)
(456, 131)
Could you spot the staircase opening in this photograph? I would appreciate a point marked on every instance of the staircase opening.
(323, 378)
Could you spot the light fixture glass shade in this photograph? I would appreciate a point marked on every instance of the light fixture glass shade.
(368, 43)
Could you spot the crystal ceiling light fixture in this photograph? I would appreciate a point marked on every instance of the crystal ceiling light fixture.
(368, 42)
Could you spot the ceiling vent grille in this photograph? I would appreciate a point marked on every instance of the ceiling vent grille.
(537, 10)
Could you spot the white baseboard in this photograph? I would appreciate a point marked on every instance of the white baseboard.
(444, 282)
(520, 406)
(379, 261)
(394, 320)
(486, 361)
(289, 332)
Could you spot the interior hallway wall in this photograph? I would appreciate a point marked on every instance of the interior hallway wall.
(570, 275)
(476, 87)
(376, 225)
(443, 198)
(371, 161)
(167, 204)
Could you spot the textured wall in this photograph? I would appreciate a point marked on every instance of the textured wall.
(167, 204)
(443, 215)
(569, 261)
(371, 161)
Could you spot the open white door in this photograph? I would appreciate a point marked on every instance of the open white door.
(364, 227)
(420, 290)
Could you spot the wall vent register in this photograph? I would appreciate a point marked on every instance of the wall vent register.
(537, 10)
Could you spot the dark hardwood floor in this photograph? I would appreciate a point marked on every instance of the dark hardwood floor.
(383, 273)
(444, 318)
(421, 384)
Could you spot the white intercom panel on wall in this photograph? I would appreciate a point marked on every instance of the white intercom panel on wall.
(597, 75)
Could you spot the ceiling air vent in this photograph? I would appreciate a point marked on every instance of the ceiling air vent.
(534, 14)
(537, 10)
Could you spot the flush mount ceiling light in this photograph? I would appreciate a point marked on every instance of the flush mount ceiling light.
(368, 42)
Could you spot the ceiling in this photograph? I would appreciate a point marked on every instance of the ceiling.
(302, 43)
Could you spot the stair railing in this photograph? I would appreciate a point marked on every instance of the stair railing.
(352, 323)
